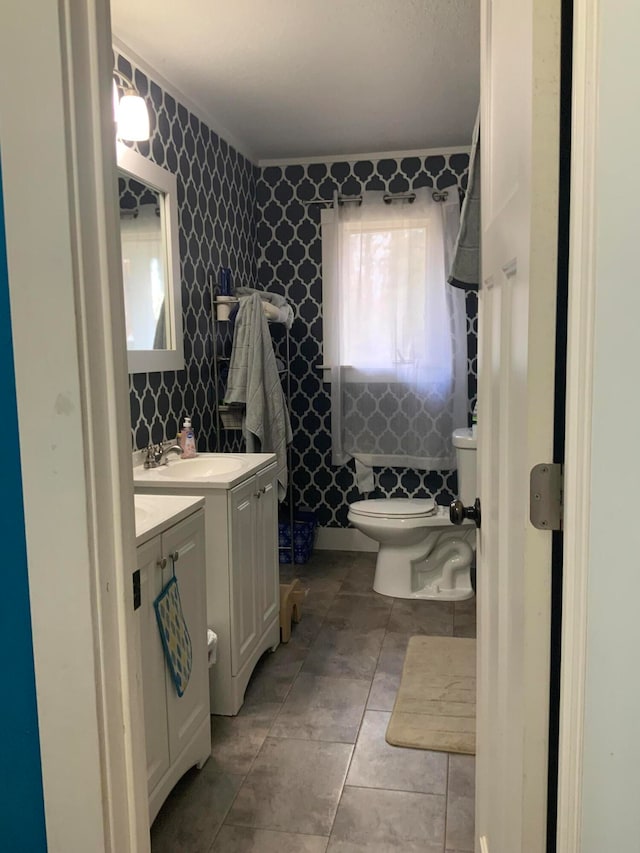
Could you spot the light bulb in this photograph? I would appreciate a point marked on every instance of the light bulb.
(133, 117)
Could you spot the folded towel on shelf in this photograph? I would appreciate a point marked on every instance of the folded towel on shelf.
(254, 381)
(275, 307)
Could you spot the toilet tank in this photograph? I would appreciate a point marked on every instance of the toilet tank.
(465, 445)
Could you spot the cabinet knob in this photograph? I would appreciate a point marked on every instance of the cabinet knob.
(175, 556)
(257, 494)
(162, 563)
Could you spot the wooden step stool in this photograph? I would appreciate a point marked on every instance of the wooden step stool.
(291, 595)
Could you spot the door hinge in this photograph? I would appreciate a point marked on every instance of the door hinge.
(546, 494)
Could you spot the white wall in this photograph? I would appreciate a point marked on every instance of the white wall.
(50, 422)
(610, 806)
(67, 318)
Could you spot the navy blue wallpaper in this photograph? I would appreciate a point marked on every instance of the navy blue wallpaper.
(289, 262)
(254, 221)
(217, 213)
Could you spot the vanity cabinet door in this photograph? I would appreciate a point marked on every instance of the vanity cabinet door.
(183, 545)
(245, 629)
(153, 664)
(267, 569)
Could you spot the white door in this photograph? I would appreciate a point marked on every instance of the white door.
(267, 566)
(153, 666)
(520, 143)
(242, 571)
(183, 547)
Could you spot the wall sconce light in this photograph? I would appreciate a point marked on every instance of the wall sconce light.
(130, 110)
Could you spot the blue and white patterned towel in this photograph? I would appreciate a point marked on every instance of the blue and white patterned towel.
(174, 634)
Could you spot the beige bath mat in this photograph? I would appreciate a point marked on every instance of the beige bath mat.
(436, 705)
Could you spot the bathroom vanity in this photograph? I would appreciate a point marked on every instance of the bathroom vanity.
(241, 524)
(170, 538)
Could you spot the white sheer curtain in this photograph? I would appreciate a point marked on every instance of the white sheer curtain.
(394, 331)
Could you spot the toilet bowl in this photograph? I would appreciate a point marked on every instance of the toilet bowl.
(421, 553)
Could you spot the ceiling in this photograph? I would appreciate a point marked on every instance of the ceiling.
(306, 78)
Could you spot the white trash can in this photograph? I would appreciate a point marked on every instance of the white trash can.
(212, 647)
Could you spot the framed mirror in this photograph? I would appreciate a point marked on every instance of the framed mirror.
(150, 263)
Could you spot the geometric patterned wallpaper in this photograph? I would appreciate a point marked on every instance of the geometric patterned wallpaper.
(216, 214)
(289, 262)
(234, 214)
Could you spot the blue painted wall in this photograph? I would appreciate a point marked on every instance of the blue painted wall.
(22, 825)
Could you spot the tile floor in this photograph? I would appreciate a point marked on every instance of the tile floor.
(304, 767)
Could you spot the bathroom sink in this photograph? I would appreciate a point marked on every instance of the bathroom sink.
(200, 468)
(206, 471)
(152, 512)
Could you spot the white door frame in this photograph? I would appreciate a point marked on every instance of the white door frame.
(577, 472)
(58, 159)
(600, 688)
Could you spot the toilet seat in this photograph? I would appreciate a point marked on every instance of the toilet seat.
(394, 508)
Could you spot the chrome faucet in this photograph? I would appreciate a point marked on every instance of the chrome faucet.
(157, 455)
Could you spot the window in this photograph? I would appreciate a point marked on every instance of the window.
(394, 330)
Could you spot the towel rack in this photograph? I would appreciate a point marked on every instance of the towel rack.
(220, 310)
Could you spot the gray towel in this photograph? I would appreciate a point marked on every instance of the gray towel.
(465, 270)
(254, 381)
(285, 310)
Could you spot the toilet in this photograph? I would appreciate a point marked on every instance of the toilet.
(421, 553)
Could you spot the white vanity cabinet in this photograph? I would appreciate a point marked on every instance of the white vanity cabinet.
(243, 592)
(253, 554)
(177, 728)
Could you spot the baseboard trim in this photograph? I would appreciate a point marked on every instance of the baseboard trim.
(343, 539)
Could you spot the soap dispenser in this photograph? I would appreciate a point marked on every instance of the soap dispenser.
(188, 440)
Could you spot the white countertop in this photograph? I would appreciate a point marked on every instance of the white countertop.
(156, 512)
(206, 471)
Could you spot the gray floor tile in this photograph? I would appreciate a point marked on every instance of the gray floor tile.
(386, 680)
(462, 775)
(311, 688)
(360, 584)
(293, 786)
(349, 654)
(237, 740)
(274, 675)
(464, 618)
(460, 803)
(304, 632)
(322, 708)
(360, 579)
(359, 612)
(421, 617)
(194, 810)
(329, 564)
(378, 821)
(317, 584)
(319, 599)
(287, 572)
(384, 690)
(376, 764)
(240, 839)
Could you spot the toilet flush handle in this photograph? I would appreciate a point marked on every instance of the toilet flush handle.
(458, 512)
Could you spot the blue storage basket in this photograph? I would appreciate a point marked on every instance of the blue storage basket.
(304, 528)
